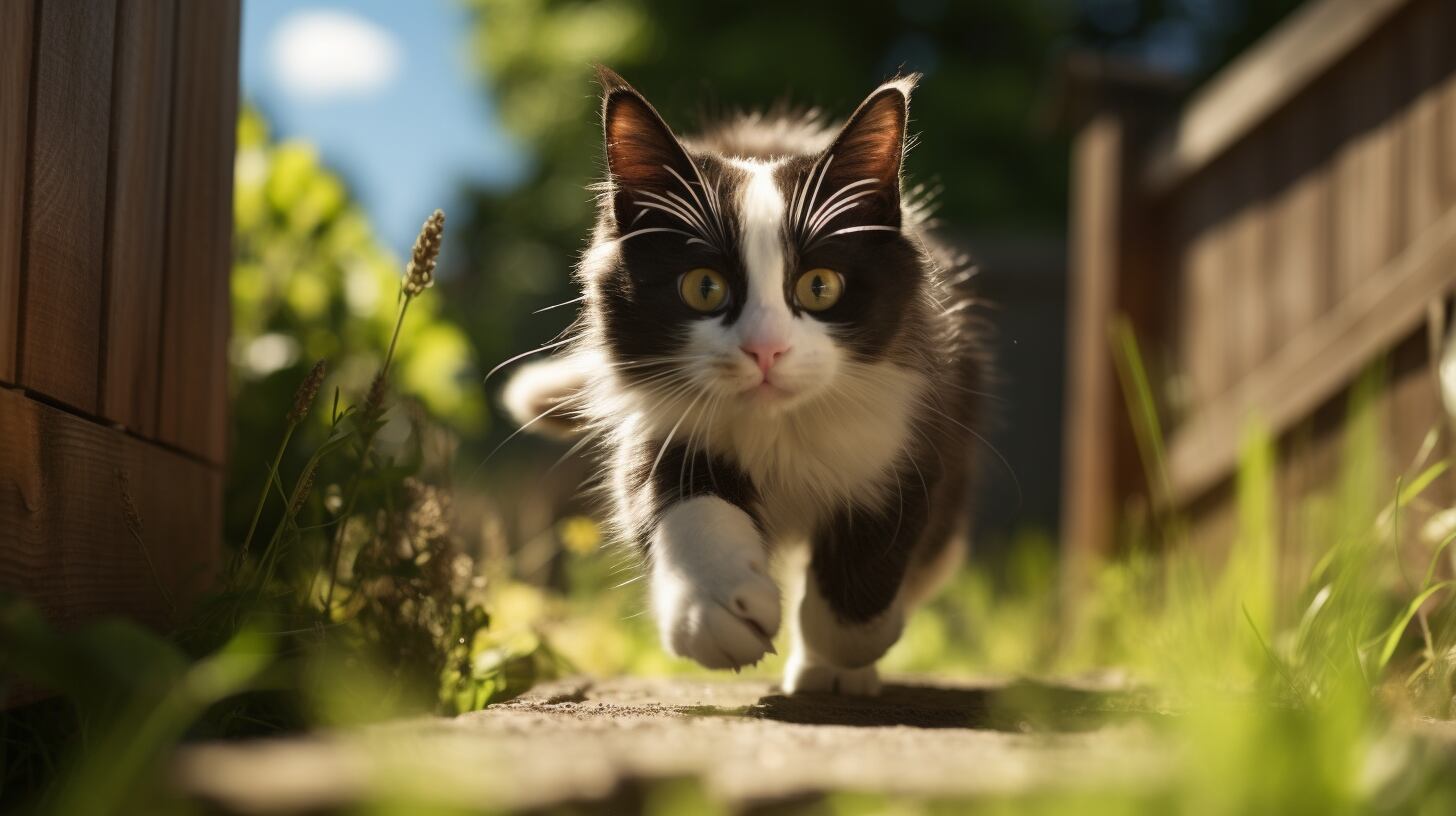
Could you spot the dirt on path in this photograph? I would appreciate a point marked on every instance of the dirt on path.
(612, 743)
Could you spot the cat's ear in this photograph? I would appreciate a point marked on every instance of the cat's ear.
(643, 156)
(869, 150)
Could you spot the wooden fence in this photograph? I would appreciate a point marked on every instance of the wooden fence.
(1294, 222)
(117, 129)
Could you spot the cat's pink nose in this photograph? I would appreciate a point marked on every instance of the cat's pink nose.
(765, 353)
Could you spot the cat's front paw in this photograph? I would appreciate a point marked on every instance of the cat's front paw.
(720, 621)
(714, 599)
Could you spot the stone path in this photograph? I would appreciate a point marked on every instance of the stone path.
(611, 743)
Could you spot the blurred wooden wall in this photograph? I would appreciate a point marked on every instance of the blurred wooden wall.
(117, 129)
(1291, 224)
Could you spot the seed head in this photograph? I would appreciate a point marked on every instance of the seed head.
(419, 275)
(307, 390)
(374, 401)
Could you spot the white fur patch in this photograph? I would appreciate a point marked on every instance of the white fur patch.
(761, 213)
(714, 600)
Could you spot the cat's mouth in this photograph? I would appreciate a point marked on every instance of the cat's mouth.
(766, 391)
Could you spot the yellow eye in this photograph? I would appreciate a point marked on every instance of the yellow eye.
(703, 289)
(818, 289)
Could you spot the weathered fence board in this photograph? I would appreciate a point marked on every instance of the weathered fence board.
(1430, 33)
(65, 225)
(140, 136)
(192, 412)
(69, 543)
(17, 19)
(1299, 257)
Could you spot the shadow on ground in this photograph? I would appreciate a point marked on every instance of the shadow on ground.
(1020, 707)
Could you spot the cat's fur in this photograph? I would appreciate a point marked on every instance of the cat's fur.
(767, 439)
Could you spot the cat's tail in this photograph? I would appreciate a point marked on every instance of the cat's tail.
(547, 397)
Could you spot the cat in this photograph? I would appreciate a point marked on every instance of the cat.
(778, 366)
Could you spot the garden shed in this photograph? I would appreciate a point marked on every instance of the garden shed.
(116, 155)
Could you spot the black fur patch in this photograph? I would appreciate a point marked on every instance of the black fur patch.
(679, 477)
(860, 555)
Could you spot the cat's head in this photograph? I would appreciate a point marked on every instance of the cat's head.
(755, 282)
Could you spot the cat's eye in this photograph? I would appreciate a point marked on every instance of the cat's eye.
(818, 289)
(703, 289)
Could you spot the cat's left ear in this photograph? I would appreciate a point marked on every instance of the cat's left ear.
(870, 149)
(644, 158)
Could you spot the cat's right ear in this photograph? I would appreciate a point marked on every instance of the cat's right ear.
(643, 157)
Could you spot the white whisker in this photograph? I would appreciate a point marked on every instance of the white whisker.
(673, 211)
(525, 354)
(848, 230)
(663, 449)
(709, 194)
(679, 207)
(559, 305)
(646, 230)
(835, 204)
(822, 171)
(517, 432)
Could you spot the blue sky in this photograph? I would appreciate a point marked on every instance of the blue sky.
(385, 89)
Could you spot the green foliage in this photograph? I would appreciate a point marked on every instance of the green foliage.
(311, 282)
(131, 694)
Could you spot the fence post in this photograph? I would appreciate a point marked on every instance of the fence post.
(1116, 270)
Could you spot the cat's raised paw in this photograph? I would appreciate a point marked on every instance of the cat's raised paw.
(804, 676)
(725, 626)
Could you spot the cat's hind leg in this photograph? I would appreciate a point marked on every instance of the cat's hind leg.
(831, 655)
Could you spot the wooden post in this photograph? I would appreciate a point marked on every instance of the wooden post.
(1115, 259)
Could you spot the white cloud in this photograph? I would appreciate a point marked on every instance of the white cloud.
(322, 52)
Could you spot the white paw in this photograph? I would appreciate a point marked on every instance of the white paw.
(714, 600)
(723, 623)
(803, 675)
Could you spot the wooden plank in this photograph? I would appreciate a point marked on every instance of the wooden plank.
(1203, 296)
(1246, 273)
(69, 545)
(1260, 82)
(141, 128)
(66, 201)
(1446, 114)
(1321, 361)
(1088, 486)
(1425, 40)
(1300, 259)
(1366, 168)
(192, 410)
(17, 19)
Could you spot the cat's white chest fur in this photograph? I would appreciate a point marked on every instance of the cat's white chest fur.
(839, 449)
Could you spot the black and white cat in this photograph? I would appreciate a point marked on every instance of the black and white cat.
(779, 367)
